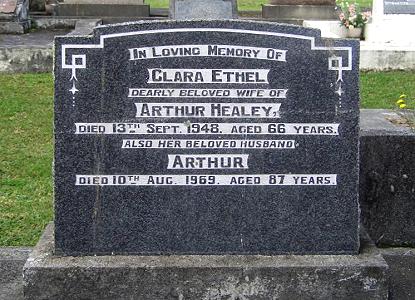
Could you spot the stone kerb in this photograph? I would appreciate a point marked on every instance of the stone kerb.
(105, 8)
(343, 277)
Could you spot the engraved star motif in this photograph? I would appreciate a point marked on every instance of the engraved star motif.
(339, 91)
(73, 90)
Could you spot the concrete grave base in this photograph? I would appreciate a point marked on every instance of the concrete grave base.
(12, 260)
(14, 27)
(46, 276)
(103, 10)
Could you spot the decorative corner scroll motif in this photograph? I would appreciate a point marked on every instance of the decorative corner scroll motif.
(78, 62)
(335, 62)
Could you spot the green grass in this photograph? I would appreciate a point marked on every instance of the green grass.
(363, 3)
(25, 157)
(243, 4)
(382, 89)
(26, 146)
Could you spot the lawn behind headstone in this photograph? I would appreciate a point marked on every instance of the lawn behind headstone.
(25, 157)
(26, 146)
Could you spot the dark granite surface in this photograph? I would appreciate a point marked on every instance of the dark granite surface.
(387, 185)
(399, 6)
(387, 188)
(207, 218)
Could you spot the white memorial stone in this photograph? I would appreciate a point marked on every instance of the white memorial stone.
(394, 29)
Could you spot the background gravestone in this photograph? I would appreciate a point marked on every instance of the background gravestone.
(296, 11)
(391, 23)
(399, 6)
(199, 137)
(201, 9)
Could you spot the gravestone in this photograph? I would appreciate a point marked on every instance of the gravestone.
(296, 11)
(201, 9)
(392, 23)
(302, 2)
(206, 138)
(399, 6)
(14, 16)
(228, 138)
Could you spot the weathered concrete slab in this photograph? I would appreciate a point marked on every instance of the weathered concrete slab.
(100, 10)
(11, 266)
(32, 52)
(11, 28)
(387, 56)
(361, 276)
(379, 122)
(27, 53)
(85, 27)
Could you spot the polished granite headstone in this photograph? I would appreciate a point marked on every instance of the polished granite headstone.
(206, 137)
(399, 6)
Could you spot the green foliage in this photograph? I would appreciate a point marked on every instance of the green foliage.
(251, 4)
(25, 157)
(381, 89)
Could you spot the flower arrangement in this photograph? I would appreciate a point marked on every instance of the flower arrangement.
(352, 16)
